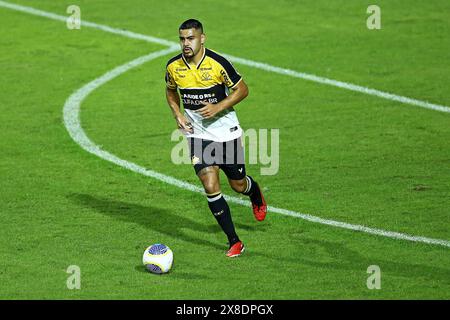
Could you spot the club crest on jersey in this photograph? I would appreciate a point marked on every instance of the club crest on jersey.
(206, 76)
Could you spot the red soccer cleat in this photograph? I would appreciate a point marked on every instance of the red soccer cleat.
(260, 210)
(236, 250)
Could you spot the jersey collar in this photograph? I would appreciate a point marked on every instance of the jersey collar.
(198, 66)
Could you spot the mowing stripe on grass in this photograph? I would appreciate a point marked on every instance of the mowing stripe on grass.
(72, 122)
(54, 16)
(73, 125)
(254, 64)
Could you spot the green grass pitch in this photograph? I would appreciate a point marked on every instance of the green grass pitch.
(344, 155)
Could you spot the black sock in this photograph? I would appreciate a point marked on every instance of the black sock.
(219, 208)
(253, 190)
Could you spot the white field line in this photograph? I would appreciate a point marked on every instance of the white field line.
(84, 23)
(254, 64)
(72, 122)
(340, 84)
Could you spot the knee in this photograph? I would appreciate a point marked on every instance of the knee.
(211, 187)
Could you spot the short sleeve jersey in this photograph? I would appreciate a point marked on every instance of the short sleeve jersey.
(209, 81)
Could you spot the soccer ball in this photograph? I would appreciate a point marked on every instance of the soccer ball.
(158, 258)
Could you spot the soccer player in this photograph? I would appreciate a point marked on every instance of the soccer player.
(209, 87)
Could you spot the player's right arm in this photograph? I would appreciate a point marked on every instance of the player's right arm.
(173, 99)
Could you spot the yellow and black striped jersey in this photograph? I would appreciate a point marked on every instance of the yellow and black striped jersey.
(210, 82)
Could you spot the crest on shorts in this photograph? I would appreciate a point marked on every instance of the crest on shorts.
(195, 159)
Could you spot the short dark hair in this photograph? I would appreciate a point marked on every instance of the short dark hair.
(191, 24)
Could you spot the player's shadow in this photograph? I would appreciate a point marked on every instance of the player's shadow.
(251, 228)
(151, 217)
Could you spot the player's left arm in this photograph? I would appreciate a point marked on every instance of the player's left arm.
(239, 92)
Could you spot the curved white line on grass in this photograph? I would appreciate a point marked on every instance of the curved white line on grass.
(254, 64)
(71, 116)
(72, 122)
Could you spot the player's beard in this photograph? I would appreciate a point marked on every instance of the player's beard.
(189, 53)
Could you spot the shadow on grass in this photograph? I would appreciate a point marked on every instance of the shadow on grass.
(174, 273)
(161, 220)
(151, 217)
(329, 255)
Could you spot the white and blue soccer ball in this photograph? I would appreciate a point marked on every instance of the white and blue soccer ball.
(158, 258)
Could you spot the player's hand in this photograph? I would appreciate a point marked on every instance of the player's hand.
(184, 124)
(209, 110)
